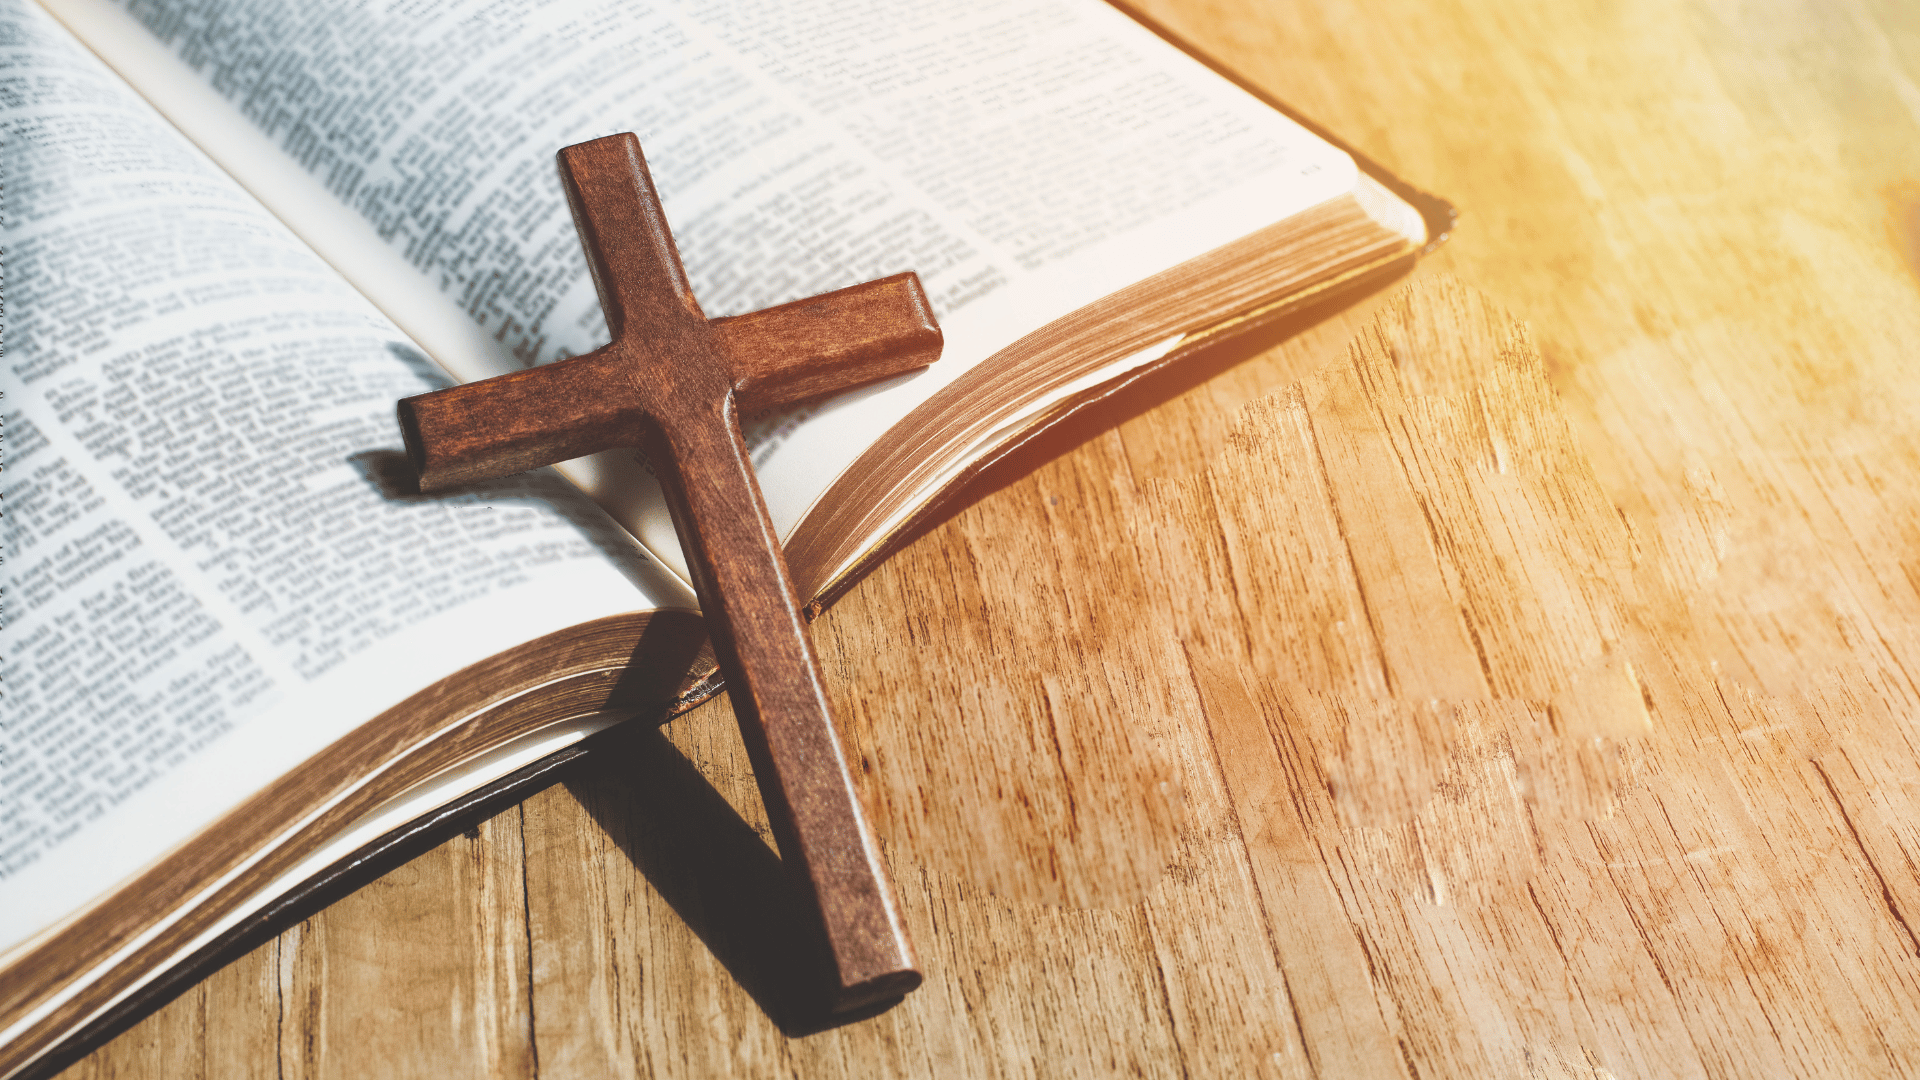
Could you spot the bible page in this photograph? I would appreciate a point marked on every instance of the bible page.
(211, 567)
(1025, 157)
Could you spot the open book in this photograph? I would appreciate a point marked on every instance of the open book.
(238, 650)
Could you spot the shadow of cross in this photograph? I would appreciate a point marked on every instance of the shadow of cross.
(674, 384)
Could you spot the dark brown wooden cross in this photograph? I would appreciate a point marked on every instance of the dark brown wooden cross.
(675, 384)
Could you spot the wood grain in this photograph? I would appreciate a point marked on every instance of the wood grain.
(1303, 741)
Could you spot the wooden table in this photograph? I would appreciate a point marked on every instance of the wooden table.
(1488, 704)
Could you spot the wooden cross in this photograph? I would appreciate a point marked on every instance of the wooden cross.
(674, 383)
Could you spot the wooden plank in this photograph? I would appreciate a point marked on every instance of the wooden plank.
(433, 960)
(233, 1016)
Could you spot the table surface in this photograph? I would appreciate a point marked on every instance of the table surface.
(1487, 698)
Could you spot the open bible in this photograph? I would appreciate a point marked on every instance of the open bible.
(241, 650)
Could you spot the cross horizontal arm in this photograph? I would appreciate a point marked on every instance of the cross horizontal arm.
(829, 343)
(556, 412)
(520, 421)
